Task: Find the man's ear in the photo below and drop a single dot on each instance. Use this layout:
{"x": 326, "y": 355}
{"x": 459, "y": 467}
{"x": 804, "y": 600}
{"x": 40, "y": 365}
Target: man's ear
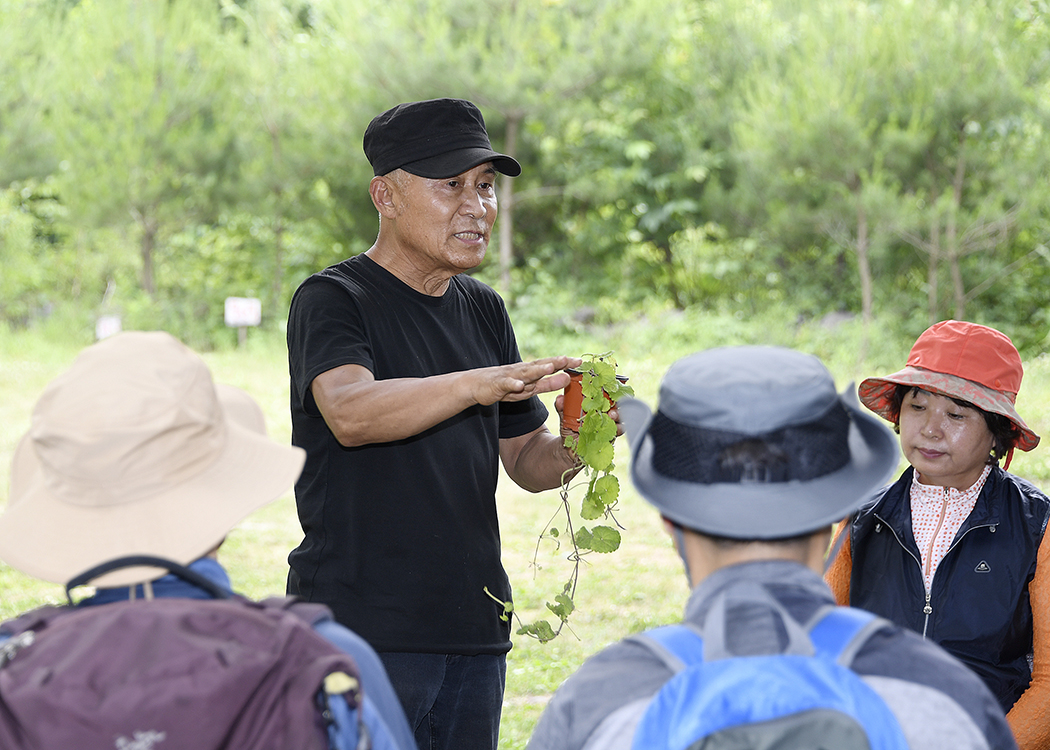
{"x": 669, "y": 528}
{"x": 384, "y": 196}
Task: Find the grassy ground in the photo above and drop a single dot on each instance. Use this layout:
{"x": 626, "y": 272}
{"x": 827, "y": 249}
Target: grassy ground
{"x": 639, "y": 586}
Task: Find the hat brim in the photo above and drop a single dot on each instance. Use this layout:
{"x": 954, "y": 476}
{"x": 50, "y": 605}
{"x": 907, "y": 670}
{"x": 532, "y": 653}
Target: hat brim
{"x": 760, "y": 510}
{"x": 462, "y": 160}
{"x": 55, "y": 540}
{"x": 877, "y": 395}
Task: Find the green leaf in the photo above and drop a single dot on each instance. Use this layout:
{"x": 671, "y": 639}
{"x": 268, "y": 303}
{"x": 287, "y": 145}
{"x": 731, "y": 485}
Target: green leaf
{"x": 598, "y": 456}
{"x": 605, "y": 539}
{"x": 618, "y": 390}
{"x": 541, "y": 629}
{"x": 602, "y": 539}
{"x": 603, "y": 492}
{"x": 563, "y": 608}
{"x": 596, "y": 403}
{"x": 591, "y": 508}
{"x": 597, "y": 427}
{"x": 607, "y": 489}
{"x": 604, "y": 372}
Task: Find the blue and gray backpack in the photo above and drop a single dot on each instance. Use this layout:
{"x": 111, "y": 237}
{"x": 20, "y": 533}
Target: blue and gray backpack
{"x": 805, "y": 697}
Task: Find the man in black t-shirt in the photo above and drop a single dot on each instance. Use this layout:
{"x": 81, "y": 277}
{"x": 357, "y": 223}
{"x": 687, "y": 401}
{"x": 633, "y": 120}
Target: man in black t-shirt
{"x": 407, "y": 390}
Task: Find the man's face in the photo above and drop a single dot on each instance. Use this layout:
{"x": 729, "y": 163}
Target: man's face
{"x": 444, "y": 225}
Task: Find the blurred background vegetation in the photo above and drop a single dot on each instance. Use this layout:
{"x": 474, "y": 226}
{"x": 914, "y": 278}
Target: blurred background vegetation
{"x": 832, "y": 175}
{"x": 802, "y": 160}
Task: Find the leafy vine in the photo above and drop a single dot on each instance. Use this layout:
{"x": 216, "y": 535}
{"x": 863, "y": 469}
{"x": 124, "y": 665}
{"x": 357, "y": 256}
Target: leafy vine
{"x": 593, "y": 446}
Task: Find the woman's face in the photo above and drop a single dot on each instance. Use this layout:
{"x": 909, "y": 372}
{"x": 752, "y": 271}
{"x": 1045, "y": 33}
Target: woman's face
{"x": 947, "y": 444}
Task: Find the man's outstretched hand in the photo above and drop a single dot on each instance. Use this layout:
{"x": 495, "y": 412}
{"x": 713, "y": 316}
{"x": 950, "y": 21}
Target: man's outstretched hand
{"x": 522, "y": 380}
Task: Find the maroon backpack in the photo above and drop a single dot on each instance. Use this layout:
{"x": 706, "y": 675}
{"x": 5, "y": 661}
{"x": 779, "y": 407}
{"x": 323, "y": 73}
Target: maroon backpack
{"x": 171, "y": 674}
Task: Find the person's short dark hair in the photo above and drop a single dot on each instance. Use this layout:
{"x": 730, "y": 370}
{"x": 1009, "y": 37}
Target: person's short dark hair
{"x": 1004, "y": 432}
{"x": 753, "y": 460}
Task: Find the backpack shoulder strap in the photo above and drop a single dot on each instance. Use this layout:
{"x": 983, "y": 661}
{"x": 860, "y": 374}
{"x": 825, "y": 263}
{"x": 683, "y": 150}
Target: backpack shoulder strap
{"x": 837, "y": 632}
{"x": 312, "y": 613}
{"x": 840, "y": 632}
{"x": 132, "y": 561}
{"x": 20, "y": 632}
{"x": 33, "y": 619}
{"x": 677, "y": 646}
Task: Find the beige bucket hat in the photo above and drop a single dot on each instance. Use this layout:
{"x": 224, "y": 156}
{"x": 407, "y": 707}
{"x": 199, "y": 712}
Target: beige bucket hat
{"x": 135, "y": 451}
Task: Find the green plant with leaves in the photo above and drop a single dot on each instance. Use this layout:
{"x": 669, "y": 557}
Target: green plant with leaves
{"x": 593, "y": 447}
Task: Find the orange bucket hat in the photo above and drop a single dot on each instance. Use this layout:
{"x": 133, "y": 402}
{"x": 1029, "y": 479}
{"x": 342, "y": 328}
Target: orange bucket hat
{"x": 960, "y": 360}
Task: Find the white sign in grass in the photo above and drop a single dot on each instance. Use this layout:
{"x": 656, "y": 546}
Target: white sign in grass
{"x": 106, "y": 326}
{"x": 243, "y": 311}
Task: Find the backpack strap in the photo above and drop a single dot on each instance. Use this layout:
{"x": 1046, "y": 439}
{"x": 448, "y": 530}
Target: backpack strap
{"x": 712, "y": 635}
{"x": 677, "y": 645}
{"x": 312, "y": 613}
{"x": 835, "y": 632}
{"x": 840, "y": 632}
{"x": 757, "y": 601}
{"x": 133, "y": 561}
{"x": 32, "y": 620}
{"x": 20, "y": 629}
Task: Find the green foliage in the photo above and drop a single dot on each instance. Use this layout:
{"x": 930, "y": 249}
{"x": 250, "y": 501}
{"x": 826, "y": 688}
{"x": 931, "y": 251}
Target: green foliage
{"x": 601, "y": 494}
{"x": 886, "y": 125}
{"x": 46, "y": 264}
{"x": 24, "y": 278}
{"x": 737, "y": 156}
{"x": 299, "y": 166}
{"x": 26, "y": 146}
{"x": 602, "y": 539}
{"x": 593, "y": 448}
{"x": 593, "y": 445}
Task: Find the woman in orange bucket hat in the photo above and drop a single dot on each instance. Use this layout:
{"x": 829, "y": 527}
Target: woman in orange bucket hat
{"x": 954, "y": 549}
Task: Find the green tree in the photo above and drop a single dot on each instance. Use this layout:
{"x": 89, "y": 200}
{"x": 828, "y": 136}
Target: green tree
{"x": 300, "y": 93}
{"x": 635, "y": 159}
{"x": 521, "y": 61}
{"x": 140, "y": 117}
{"x": 976, "y": 97}
{"x": 25, "y": 144}
{"x": 880, "y": 118}
{"x": 809, "y": 133}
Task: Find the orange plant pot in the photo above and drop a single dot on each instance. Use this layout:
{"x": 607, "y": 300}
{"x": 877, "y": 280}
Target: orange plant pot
{"x": 572, "y": 405}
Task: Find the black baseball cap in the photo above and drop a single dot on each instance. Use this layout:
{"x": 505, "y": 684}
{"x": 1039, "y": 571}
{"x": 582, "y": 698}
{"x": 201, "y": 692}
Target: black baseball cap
{"x": 436, "y": 138}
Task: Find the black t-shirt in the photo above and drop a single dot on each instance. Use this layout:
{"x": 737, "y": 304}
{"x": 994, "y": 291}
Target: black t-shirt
{"x": 401, "y": 538}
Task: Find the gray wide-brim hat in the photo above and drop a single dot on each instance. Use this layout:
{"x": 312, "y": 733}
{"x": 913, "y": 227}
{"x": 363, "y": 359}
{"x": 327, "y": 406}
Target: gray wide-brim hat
{"x": 835, "y": 455}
